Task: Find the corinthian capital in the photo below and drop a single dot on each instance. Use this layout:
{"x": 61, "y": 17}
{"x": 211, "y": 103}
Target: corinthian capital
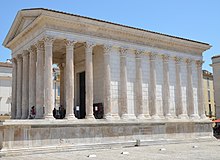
{"x": 188, "y": 61}
{"x": 123, "y": 51}
{"x": 199, "y": 63}
{"x": 48, "y": 41}
{"x": 31, "y": 50}
{"x": 70, "y": 43}
{"x": 39, "y": 45}
{"x": 165, "y": 58}
{"x": 152, "y": 56}
{"x": 107, "y": 49}
{"x": 178, "y": 60}
{"x": 138, "y": 53}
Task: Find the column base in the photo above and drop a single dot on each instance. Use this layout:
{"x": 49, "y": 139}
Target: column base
{"x": 128, "y": 116}
{"x": 71, "y": 117}
{"x": 116, "y": 116}
{"x": 155, "y": 116}
{"x": 111, "y": 117}
{"x": 49, "y": 117}
{"x": 143, "y": 116}
{"x": 24, "y": 117}
{"x": 183, "y": 116}
{"x": 169, "y": 116}
{"x": 203, "y": 116}
{"x": 194, "y": 116}
{"x": 108, "y": 116}
{"x": 90, "y": 117}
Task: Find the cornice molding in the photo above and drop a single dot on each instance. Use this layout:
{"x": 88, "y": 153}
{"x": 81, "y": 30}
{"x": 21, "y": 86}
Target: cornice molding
{"x": 109, "y": 31}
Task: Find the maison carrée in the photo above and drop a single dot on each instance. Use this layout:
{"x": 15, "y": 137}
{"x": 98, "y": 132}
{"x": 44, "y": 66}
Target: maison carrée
{"x": 147, "y": 85}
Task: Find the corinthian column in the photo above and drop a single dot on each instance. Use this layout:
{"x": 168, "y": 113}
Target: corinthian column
{"x": 19, "y": 86}
{"x": 69, "y": 79}
{"x": 107, "y": 83}
{"x": 40, "y": 80}
{"x": 89, "y": 80}
{"x": 62, "y": 80}
{"x": 123, "y": 83}
{"x": 201, "y": 105}
{"x": 139, "y": 92}
{"x": 48, "y": 76}
{"x": 25, "y": 85}
{"x": 190, "y": 95}
{"x": 166, "y": 87}
{"x": 152, "y": 87}
{"x": 14, "y": 85}
{"x": 181, "y": 110}
{"x": 32, "y": 79}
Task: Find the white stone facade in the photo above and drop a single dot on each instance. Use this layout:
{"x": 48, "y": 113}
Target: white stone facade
{"x": 216, "y": 80}
{"x": 135, "y": 74}
{"x": 5, "y": 88}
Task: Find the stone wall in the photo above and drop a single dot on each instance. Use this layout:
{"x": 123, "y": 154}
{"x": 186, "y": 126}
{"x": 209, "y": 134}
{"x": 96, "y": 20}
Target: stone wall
{"x": 23, "y": 137}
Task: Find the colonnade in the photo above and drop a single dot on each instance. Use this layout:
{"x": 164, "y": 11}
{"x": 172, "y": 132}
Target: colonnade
{"x": 32, "y": 83}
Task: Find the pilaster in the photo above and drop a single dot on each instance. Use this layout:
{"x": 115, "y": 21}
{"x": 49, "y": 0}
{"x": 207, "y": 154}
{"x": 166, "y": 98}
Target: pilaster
{"x": 152, "y": 87}
{"x": 190, "y": 95}
{"x": 201, "y": 104}
{"x": 180, "y": 109}
{"x": 166, "y": 87}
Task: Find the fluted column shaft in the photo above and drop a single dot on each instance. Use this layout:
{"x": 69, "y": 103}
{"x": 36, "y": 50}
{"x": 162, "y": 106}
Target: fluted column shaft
{"x": 62, "y": 80}
{"x": 69, "y": 79}
{"x": 166, "y": 87}
{"x": 181, "y": 110}
{"x": 48, "y": 77}
{"x": 25, "y": 86}
{"x": 14, "y": 85}
{"x": 190, "y": 95}
{"x": 107, "y": 83}
{"x": 40, "y": 80}
{"x": 89, "y": 80}
{"x": 152, "y": 88}
{"x": 32, "y": 79}
{"x": 139, "y": 81}
{"x": 19, "y": 86}
{"x": 123, "y": 83}
{"x": 201, "y": 105}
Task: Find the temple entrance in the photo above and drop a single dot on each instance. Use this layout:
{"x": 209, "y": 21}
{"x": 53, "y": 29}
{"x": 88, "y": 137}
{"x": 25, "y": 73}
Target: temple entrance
{"x": 82, "y": 95}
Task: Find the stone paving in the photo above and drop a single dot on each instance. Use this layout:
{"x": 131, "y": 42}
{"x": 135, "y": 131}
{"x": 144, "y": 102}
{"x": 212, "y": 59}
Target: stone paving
{"x": 183, "y": 151}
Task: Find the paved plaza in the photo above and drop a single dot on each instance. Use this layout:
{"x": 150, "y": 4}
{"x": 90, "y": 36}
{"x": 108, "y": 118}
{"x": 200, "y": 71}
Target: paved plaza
{"x": 182, "y": 151}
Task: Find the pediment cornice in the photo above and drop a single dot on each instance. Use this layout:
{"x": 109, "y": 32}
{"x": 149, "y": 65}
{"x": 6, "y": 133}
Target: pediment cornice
{"x": 70, "y": 23}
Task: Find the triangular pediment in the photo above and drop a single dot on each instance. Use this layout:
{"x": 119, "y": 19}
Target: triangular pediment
{"x": 22, "y": 20}
{"x": 25, "y": 22}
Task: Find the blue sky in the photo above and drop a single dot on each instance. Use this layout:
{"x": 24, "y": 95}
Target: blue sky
{"x": 192, "y": 19}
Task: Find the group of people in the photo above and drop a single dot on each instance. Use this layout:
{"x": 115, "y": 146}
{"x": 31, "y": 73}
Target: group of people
{"x": 58, "y": 114}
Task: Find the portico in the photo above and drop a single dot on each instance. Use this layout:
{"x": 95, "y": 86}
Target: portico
{"x": 140, "y": 77}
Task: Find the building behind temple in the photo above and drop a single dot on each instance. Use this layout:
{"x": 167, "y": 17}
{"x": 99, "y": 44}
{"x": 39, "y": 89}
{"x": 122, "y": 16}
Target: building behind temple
{"x": 5, "y": 88}
{"x": 208, "y": 93}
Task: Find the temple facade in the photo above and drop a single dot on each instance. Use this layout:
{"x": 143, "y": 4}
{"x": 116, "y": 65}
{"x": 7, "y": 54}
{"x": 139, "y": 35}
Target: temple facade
{"x": 134, "y": 74}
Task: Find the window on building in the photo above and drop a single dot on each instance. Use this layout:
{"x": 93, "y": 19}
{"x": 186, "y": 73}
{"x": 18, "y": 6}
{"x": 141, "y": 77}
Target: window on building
{"x": 209, "y": 99}
{"x": 208, "y": 83}
{"x": 58, "y": 90}
{"x": 210, "y": 111}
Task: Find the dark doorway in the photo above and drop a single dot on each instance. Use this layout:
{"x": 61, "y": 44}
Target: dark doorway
{"x": 82, "y": 95}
